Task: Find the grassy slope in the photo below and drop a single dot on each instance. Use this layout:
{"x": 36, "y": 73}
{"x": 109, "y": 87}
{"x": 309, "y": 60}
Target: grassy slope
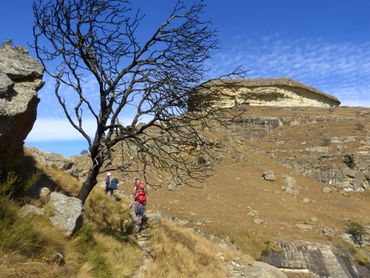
{"x": 227, "y": 200}
{"x": 223, "y": 205}
{"x": 104, "y": 247}
{"x": 27, "y": 244}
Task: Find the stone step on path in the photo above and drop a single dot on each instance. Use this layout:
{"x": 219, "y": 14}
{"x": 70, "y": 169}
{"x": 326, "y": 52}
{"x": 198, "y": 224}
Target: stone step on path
{"x": 143, "y": 241}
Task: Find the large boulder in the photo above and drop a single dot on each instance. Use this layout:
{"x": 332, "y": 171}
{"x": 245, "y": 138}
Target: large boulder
{"x": 20, "y": 79}
{"x": 67, "y": 213}
{"x": 318, "y": 259}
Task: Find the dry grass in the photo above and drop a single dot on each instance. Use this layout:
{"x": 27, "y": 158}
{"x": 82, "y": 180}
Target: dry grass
{"x": 180, "y": 252}
{"x": 253, "y": 243}
{"x": 65, "y": 181}
{"x": 27, "y": 245}
{"x": 124, "y": 258}
{"x": 52, "y": 176}
{"x": 106, "y": 257}
{"x": 108, "y": 215}
{"x": 360, "y": 254}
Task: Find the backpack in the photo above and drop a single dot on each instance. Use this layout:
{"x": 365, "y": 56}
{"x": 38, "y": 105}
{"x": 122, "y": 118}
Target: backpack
{"x": 141, "y": 197}
{"x": 114, "y": 184}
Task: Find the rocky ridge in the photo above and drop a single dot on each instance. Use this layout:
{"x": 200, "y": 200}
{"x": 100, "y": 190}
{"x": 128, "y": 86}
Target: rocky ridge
{"x": 20, "y": 79}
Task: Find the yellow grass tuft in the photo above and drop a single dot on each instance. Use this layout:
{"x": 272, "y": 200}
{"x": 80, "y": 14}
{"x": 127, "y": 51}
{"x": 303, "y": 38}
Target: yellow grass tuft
{"x": 109, "y": 216}
{"x": 65, "y": 181}
{"x": 180, "y": 252}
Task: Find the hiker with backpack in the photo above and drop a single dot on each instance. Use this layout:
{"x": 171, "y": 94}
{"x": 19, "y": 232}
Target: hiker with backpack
{"x": 140, "y": 205}
{"x": 107, "y": 182}
{"x": 113, "y": 185}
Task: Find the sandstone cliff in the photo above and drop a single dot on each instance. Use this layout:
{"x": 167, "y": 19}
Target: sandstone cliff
{"x": 281, "y": 92}
{"x": 20, "y": 79}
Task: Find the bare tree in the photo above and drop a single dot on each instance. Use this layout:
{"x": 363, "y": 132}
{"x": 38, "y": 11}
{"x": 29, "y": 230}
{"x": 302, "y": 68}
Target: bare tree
{"x": 149, "y": 80}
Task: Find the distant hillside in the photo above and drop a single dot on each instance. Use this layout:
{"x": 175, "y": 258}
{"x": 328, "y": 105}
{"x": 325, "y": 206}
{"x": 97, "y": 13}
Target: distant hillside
{"x": 320, "y": 162}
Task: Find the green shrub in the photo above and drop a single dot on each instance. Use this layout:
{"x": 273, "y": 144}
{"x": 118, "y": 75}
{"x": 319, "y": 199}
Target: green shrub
{"x": 349, "y": 160}
{"x": 266, "y": 249}
{"x": 357, "y": 232}
{"x": 13, "y": 185}
{"x": 85, "y": 236}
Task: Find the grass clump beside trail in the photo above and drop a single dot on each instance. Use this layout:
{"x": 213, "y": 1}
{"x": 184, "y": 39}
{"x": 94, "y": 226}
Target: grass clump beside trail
{"x": 180, "y": 252}
{"x": 18, "y": 233}
{"x": 28, "y": 244}
{"x": 108, "y": 215}
{"x": 106, "y": 257}
{"x": 98, "y": 265}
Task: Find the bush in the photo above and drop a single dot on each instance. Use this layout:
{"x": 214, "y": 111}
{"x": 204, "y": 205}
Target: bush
{"x": 13, "y": 185}
{"x": 349, "y": 160}
{"x": 266, "y": 249}
{"x": 357, "y": 232}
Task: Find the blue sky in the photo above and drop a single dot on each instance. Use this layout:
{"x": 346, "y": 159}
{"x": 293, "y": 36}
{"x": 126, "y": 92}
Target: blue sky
{"x": 322, "y": 43}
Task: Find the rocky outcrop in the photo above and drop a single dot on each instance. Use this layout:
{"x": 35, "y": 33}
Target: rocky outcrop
{"x": 53, "y": 160}
{"x": 318, "y": 259}
{"x": 281, "y": 92}
{"x": 20, "y": 79}
{"x": 255, "y": 127}
{"x": 66, "y": 212}
{"x": 58, "y": 161}
{"x": 256, "y": 269}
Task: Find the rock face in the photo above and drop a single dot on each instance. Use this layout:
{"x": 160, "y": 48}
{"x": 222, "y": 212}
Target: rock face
{"x": 282, "y": 92}
{"x": 20, "y": 79}
{"x": 52, "y": 159}
{"x": 260, "y": 269}
{"x": 318, "y": 259}
{"x": 67, "y": 212}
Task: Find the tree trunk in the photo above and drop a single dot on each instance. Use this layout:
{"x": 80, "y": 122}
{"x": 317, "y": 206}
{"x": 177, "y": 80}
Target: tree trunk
{"x": 89, "y": 184}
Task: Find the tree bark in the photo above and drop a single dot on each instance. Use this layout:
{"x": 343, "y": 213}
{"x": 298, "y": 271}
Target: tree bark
{"x": 89, "y": 183}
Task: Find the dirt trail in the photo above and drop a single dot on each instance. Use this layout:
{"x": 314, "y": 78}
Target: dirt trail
{"x": 143, "y": 240}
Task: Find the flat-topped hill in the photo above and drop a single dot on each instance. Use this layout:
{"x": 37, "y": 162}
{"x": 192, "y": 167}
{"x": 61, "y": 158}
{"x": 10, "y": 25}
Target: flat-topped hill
{"x": 280, "y": 92}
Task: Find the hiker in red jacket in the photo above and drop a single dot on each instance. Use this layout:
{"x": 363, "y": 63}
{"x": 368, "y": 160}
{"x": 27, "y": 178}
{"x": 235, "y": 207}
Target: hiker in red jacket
{"x": 140, "y": 205}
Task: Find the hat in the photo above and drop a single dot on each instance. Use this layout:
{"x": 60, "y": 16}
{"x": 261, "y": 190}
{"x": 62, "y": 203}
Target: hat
{"x": 108, "y": 174}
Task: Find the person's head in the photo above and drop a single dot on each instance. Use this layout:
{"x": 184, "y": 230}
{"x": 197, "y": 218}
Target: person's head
{"x": 108, "y": 174}
{"x": 142, "y": 186}
{"x": 137, "y": 181}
